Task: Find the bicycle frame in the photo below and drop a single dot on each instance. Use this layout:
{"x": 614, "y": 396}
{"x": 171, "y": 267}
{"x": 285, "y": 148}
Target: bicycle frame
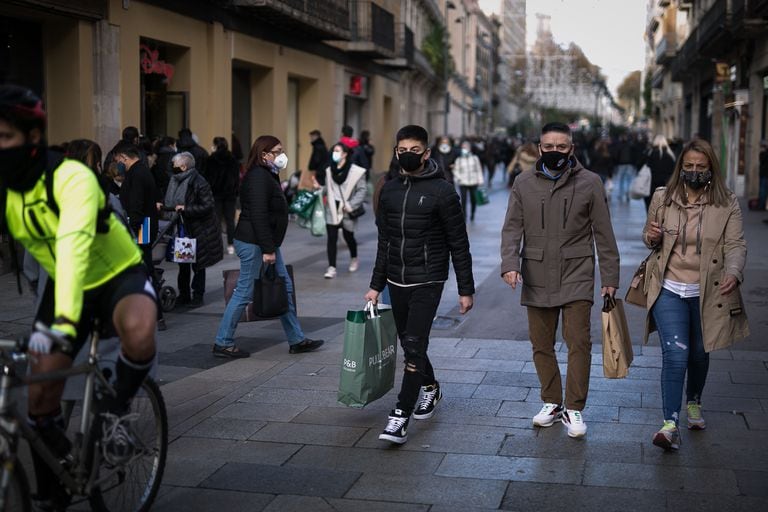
{"x": 13, "y": 425}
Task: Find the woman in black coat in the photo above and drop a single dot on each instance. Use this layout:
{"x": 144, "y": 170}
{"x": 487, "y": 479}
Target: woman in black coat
{"x": 259, "y": 234}
{"x": 661, "y": 160}
{"x": 190, "y": 195}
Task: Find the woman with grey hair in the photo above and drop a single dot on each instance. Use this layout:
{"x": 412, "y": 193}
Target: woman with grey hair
{"x": 189, "y": 194}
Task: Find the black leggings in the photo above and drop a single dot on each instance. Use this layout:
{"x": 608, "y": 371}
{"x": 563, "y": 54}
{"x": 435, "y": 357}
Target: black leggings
{"x": 225, "y": 209}
{"x": 333, "y": 238}
{"x": 468, "y": 190}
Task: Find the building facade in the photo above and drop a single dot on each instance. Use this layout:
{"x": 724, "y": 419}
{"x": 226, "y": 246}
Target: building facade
{"x": 234, "y": 68}
{"x": 710, "y": 79}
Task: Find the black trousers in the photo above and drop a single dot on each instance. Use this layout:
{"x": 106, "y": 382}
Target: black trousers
{"x": 333, "y": 240}
{"x": 414, "y": 308}
{"x": 146, "y": 256}
{"x": 225, "y": 209}
{"x": 198, "y": 281}
{"x": 468, "y": 190}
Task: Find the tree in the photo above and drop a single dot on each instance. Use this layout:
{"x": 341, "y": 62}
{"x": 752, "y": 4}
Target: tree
{"x": 629, "y": 91}
{"x": 436, "y": 47}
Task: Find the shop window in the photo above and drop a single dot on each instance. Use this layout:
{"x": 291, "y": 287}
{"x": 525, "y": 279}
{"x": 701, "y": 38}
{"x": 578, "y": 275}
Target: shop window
{"x": 164, "y": 88}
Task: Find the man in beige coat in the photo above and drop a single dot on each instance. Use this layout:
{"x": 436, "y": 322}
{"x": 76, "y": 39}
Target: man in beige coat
{"x": 555, "y": 218}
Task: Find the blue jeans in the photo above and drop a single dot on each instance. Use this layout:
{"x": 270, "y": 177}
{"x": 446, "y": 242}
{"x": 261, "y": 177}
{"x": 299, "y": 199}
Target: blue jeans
{"x": 622, "y": 180}
{"x": 763, "y": 193}
{"x": 250, "y": 266}
{"x": 679, "y": 323}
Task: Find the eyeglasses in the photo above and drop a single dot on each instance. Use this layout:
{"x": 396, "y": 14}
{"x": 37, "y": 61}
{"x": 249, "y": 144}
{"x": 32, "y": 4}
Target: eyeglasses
{"x": 688, "y": 166}
{"x": 552, "y": 147}
{"x": 415, "y": 149}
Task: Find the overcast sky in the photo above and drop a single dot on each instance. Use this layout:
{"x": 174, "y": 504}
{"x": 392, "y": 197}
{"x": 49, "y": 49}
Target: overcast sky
{"x": 610, "y": 32}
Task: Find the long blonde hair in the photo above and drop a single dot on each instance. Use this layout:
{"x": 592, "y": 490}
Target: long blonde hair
{"x": 660, "y": 143}
{"x": 717, "y": 193}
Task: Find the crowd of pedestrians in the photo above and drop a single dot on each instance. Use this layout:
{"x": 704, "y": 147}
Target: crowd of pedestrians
{"x": 557, "y": 226}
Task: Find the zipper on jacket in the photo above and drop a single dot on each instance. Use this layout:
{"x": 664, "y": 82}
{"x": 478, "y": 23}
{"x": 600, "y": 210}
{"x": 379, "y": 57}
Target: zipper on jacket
{"x": 402, "y": 230}
{"x": 565, "y": 211}
{"x": 426, "y": 264}
{"x": 542, "y": 213}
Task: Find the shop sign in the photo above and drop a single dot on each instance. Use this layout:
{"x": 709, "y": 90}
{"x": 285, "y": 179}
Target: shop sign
{"x": 356, "y": 85}
{"x": 722, "y": 72}
{"x": 150, "y": 63}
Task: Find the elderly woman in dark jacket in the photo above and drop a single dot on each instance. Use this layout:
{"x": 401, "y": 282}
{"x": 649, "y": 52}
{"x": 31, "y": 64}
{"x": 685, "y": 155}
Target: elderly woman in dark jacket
{"x": 190, "y": 195}
{"x": 258, "y": 237}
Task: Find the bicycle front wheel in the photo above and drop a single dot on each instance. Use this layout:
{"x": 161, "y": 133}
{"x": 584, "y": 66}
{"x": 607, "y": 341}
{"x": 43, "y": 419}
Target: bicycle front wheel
{"x": 133, "y": 486}
{"x": 17, "y": 488}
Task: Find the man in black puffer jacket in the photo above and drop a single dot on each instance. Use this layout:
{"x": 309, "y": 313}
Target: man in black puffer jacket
{"x": 421, "y": 226}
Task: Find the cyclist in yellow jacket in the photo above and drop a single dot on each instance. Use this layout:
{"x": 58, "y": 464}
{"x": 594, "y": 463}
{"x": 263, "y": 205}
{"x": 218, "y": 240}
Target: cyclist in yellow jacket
{"x": 56, "y": 209}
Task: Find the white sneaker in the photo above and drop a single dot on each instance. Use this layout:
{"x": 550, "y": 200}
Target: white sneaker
{"x": 330, "y": 273}
{"x": 574, "y": 421}
{"x": 354, "y": 265}
{"x": 230, "y": 249}
{"x": 548, "y": 415}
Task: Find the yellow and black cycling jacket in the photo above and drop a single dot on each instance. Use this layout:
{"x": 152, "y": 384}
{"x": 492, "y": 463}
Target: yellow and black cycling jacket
{"x": 67, "y": 245}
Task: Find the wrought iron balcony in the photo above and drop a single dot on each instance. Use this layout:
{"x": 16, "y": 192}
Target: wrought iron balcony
{"x": 316, "y": 19}
{"x": 372, "y": 30}
{"x": 404, "y": 48}
{"x": 665, "y": 49}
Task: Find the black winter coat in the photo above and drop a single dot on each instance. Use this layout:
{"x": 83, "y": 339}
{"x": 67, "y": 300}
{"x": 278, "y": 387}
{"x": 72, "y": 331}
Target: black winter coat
{"x": 421, "y": 225}
{"x": 662, "y": 164}
{"x": 188, "y": 144}
{"x": 223, "y": 174}
{"x": 264, "y": 215}
{"x": 139, "y": 197}
{"x": 320, "y": 158}
{"x": 163, "y": 168}
{"x": 201, "y": 222}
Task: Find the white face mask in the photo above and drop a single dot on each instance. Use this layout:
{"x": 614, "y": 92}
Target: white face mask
{"x": 281, "y": 161}
{"x": 464, "y": 151}
{"x": 444, "y": 148}
{"x": 336, "y": 156}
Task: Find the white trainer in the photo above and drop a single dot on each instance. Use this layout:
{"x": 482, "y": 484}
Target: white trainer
{"x": 574, "y": 422}
{"x": 548, "y": 415}
{"x": 330, "y": 273}
{"x": 354, "y": 265}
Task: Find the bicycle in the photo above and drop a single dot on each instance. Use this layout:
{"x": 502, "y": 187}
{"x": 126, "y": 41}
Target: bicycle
{"x": 89, "y": 471}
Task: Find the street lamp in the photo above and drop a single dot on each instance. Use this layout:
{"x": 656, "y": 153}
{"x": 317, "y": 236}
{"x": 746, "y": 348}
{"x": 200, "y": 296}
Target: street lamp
{"x": 446, "y": 41}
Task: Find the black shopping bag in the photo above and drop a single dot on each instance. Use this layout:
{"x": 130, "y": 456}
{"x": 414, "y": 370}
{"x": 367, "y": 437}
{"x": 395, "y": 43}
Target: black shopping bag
{"x": 270, "y": 295}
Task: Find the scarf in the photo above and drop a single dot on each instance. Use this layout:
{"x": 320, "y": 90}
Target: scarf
{"x": 340, "y": 175}
{"x": 177, "y": 188}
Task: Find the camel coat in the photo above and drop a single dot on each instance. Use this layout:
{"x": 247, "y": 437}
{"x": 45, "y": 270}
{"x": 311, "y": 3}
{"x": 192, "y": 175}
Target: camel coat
{"x": 723, "y": 251}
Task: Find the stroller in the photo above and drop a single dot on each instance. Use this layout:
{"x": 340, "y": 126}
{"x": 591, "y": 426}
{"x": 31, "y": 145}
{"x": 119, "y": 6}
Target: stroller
{"x": 166, "y": 295}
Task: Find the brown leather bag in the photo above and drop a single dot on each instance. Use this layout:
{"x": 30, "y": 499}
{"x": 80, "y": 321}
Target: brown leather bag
{"x": 636, "y": 293}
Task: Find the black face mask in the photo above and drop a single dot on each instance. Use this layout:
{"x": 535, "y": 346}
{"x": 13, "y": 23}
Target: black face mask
{"x": 555, "y": 160}
{"x": 409, "y": 161}
{"x": 177, "y": 170}
{"x": 22, "y": 166}
{"x": 696, "y": 180}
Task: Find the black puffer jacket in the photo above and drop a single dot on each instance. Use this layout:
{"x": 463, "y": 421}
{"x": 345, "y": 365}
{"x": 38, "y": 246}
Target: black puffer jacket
{"x": 223, "y": 174}
{"x": 264, "y": 216}
{"x": 201, "y": 222}
{"x": 420, "y": 226}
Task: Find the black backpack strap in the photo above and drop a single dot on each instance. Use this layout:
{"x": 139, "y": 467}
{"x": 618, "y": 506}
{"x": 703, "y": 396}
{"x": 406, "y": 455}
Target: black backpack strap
{"x": 54, "y": 161}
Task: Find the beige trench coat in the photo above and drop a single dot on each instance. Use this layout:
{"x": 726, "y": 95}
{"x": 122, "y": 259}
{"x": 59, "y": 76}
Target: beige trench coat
{"x": 723, "y": 251}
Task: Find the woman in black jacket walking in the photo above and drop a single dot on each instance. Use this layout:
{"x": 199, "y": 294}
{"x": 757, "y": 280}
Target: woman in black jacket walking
{"x": 189, "y": 194}
{"x": 661, "y": 160}
{"x": 224, "y": 176}
{"x": 258, "y": 236}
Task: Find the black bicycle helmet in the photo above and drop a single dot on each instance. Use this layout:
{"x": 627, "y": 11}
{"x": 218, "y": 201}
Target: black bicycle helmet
{"x": 21, "y": 107}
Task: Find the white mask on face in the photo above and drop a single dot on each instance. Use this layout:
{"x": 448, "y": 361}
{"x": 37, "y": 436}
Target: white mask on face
{"x": 444, "y": 148}
{"x": 281, "y": 161}
{"x": 336, "y": 156}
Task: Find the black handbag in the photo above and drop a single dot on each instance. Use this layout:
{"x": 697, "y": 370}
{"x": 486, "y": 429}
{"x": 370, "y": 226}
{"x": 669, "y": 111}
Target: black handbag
{"x": 357, "y": 212}
{"x": 270, "y": 295}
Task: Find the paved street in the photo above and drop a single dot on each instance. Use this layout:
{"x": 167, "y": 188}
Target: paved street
{"x": 266, "y": 433}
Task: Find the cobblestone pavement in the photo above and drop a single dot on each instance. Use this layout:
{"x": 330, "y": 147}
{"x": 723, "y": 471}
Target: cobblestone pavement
{"x": 266, "y": 433}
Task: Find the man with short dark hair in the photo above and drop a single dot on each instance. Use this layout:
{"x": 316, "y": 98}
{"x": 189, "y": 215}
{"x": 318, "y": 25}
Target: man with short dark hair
{"x": 421, "y": 227}
{"x": 557, "y": 215}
